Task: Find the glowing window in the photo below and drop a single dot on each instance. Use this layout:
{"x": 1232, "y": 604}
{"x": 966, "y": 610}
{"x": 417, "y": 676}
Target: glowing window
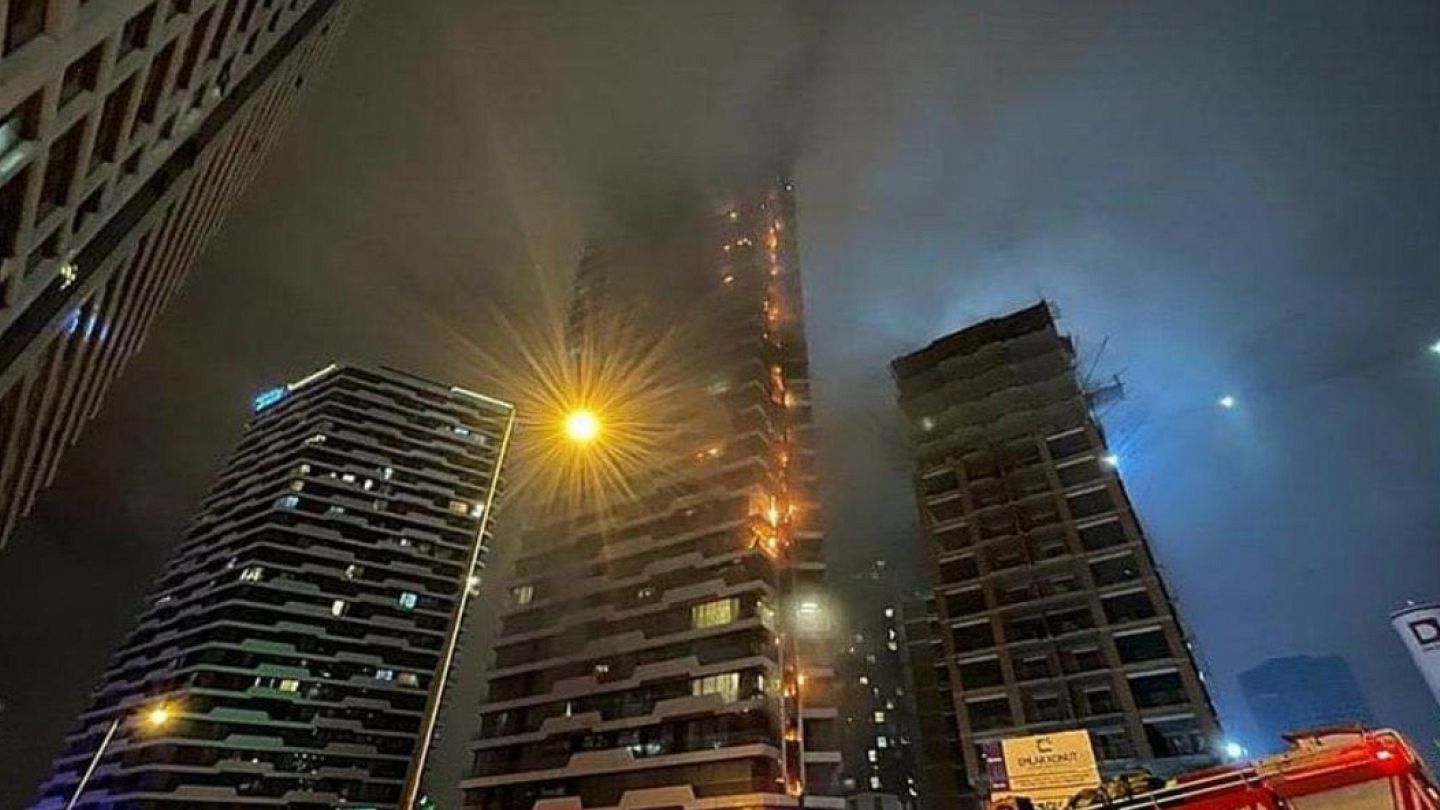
{"x": 338, "y": 607}
{"x": 409, "y": 600}
{"x": 289, "y": 685}
{"x": 254, "y": 573}
{"x": 727, "y": 686}
{"x": 715, "y": 613}
{"x": 523, "y": 594}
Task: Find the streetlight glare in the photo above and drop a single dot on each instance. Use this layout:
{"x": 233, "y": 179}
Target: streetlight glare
{"x": 582, "y": 426}
{"x": 158, "y": 717}
{"x": 1435, "y": 347}
{"x": 1227, "y": 401}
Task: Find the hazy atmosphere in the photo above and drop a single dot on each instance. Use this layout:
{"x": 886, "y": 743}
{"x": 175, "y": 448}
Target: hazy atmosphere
{"x": 1221, "y": 198}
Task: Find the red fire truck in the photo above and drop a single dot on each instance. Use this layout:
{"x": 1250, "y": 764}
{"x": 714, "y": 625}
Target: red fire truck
{"x": 1327, "y": 769}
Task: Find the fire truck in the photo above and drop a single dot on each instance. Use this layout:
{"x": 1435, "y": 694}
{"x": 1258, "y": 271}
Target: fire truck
{"x": 1328, "y": 769}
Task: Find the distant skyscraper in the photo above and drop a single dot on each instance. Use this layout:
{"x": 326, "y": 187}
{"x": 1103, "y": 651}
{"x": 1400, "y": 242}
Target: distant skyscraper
{"x": 1051, "y": 612}
{"x": 300, "y": 632}
{"x": 665, "y": 652}
{"x": 939, "y": 762}
{"x": 1301, "y": 692}
{"x": 127, "y": 127}
{"x": 880, "y": 748}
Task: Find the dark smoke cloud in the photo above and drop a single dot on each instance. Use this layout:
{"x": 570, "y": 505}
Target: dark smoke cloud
{"x": 1239, "y": 196}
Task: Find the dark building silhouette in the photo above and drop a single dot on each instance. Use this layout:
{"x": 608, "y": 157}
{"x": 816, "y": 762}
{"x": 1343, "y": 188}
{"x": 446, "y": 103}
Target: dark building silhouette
{"x": 301, "y": 631}
{"x": 127, "y": 128}
{"x": 1302, "y": 692}
{"x": 1050, "y": 610}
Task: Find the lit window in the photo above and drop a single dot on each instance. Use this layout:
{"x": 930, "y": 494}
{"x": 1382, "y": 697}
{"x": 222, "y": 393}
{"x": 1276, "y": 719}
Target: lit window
{"x": 882, "y": 741}
{"x": 879, "y": 717}
{"x": 409, "y": 600}
{"x": 602, "y": 669}
{"x": 864, "y": 680}
{"x": 872, "y": 755}
{"x": 408, "y": 679}
{"x": 252, "y": 574}
{"x": 715, "y": 613}
{"x": 387, "y": 473}
{"x": 384, "y": 674}
{"x": 460, "y": 430}
{"x": 289, "y": 685}
{"x": 889, "y": 613}
{"x": 874, "y": 783}
{"x": 337, "y": 608}
{"x": 288, "y": 502}
{"x": 523, "y": 594}
{"x": 727, "y": 686}
{"x": 348, "y": 478}
{"x": 335, "y": 510}
{"x": 460, "y": 507}
{"x": 352, "y": 571}
{"x": 318, "y": 438}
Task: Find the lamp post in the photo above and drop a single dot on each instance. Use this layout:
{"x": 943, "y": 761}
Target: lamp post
{"x": 154, "y": 719}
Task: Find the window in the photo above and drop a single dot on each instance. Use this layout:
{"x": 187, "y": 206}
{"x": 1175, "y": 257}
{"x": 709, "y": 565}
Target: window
{"x": 18, "y": 126}
{"x": 727, "y": 686}
{"x": 1103, "y": 535}
{"x": 1077, "y": 473}
{"x": 1094, "y": 502}
{"x": 112, "y": 122}
{"x": 338, "y": 607}
{"x": 1143, "y": 645}
{"x": 12, "y": 206}
{"x": 460, "y": 507}
{"x": 1113, "y": 570}
{"x": 1100, "y": 700}
{"x": 879, "y": 717}
{"x": 715, "y": 613}
{"x": 1128, "y": 607}
{"x": 60, "y": 171}
{"x": 1157, "y": 689}
{"x": 254, "y": 573}
{"x": 976, "y": 636}
{"x": 989, "y": 713}
{"x": 409, "y": 600}
{"x": 136, "y": 31}
{"x": 80, "y": 76}
{"x": 24, "y": 20}
{"x": 1112, "y": 744}
{"x": 289, "y": 685}
{"x": 384, "y": 674}
{"x": 288, "y": 502}
{"x": 408, "y": 679}
{"x": 1178, "y": 737}
{"x": 523, "y": 594}
{"x": 1068, "y": 444}
{"x": 965, "y": 603}
{"x": 186, "y": 77}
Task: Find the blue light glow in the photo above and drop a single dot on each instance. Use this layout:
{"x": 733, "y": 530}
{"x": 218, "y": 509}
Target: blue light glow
{"x": 267, "y": 398}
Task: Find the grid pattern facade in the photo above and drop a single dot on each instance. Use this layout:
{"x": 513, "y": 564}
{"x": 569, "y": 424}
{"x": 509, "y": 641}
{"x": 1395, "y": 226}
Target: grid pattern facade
{"x": 302, "y": 626}
{"x": 875, "y": 697}
{"x": 127, "y": 127}
{"x": 670, "y": 653}
{"x": 1051, "y": 610}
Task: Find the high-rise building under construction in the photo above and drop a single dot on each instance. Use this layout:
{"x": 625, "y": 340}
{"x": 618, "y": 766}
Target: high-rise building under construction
{"x": 670, "y": 651}
{"x": 127, "y": 128}
{"x": 1051, "y": 612}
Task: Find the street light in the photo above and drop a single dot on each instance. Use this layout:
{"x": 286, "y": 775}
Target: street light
{"x": 1435, "y": 347}
{"x": 582, "y": 426}
{"x": 154, "y": 719}
{"x": 1227, "y": 402}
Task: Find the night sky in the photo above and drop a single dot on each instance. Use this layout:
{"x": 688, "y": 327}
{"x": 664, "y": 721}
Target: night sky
{"x": 1231, "y": 197}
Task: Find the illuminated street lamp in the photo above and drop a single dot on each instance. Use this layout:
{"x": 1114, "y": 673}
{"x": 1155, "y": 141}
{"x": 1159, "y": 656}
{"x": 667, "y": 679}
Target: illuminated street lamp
{"x": 1435, "y": 347}
{"x": 154, "y": 719}
{"x": 1110, "y": 460}
{"x": 1227, "y": 402}
{"x": 582, "y": 426}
